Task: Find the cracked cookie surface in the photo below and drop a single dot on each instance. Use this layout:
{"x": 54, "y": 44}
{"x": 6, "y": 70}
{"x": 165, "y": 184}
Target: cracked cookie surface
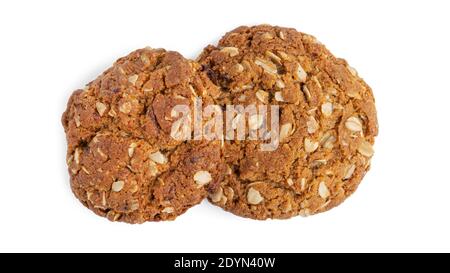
{"x": 123, "y": 159}
{"x": 327, "y": 123}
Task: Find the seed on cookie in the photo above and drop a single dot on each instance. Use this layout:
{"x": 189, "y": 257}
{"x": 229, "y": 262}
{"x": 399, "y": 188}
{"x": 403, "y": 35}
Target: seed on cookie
{"x": 158, "y": 157}
{"x": 267, "y": 36}
{"x": 303, "y": 184}
{"x": 310, "y": 146}
{"x": 312, "y": 125}
{"x": 285, "y": 131}
{"x": 83, "y": 168}
{"x": 279, "y": 96}
{"x": 238, "y": 68}
{"x": 254, "y": 197}
{"x": 202, "y": 178}
{"x": 365, "y": 148}
{"x": 230, "y": 50}
{"x": 134, "y": 204}
{"x": 323, "y": 190}
{"x": 354, "y": 124}
{"x": 133, "y": 78}
{"x": 242, "y": 98}
{"x": 268, "y": 66}
{"x": 262, "y": 96}
{"x": 131, "y": 149}
{"x": 327, "y": 109}
{"x": 76, "y": 156}
{"x": 104, "y": 199}
{"x": 217, "y": 196}
{"x": 113, "y": 216}
{"x": 301, "y": 73}
{"x": 280, "y": 84}
{"x": 77, "y": 120}
{"x": 349, "y": 171}
{"x": 168, "y": 210}
{"x": 125, "y": 107}
{"x": 152, "y": 168}
{"x": 117, "y": 186}
{"x": 273, "y": 57}
{"x": 306, "y": 92}
{"x": 290, "y": 181}
{"x": 229, "y": 192}
{"x": 329, "y": 142}
{"x": 112, "y": 113}
{"x": 101, "y": 108}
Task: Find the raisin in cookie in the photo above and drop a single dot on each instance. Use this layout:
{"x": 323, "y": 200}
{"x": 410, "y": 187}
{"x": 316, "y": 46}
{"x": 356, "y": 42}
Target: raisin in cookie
{"x": 327, "y": 123}
{"x": 125, "y": 160}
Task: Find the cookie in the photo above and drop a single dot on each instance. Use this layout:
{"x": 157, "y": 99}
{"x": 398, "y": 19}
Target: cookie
{"x": 125, "y": 156}
{"x": 327, "y": 123}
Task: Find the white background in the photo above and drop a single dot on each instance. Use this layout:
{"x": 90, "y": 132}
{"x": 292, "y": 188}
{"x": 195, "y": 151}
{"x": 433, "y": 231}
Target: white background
{"x": 401, "y": 48}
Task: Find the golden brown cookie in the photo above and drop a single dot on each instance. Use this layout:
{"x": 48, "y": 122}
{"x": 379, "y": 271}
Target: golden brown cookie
{"x": 124, "y": 160}
{"x": 326, "y": 131}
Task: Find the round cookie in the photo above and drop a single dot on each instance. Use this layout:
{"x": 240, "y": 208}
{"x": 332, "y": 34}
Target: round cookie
{"x": 327, "y": 123}
{"x": 126, "y": 158}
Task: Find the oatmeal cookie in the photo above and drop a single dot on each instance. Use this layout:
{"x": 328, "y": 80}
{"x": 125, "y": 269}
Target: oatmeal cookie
{"x": 327, "y": 123}
{"x": 125, "y": 161}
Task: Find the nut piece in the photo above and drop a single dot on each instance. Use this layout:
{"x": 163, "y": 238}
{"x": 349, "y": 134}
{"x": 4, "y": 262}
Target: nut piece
{"x": 202, "y": 178}
{"x": 255, "y": 122}
{"x": 133, "y": 78}
{"x": 327, "y": 109}
{"x": 349, "y": 171}
{"x": 285, "y": 131}
{"x": 125, "y": 107}
{"x": 101, "y": 108}
{"x": 279, "y": 96}
{"x": 168, "y": 210}
{"x": 323, "y": 190}
{"x": 158, "y": 157}
{"x": 310, "y": 146}
{"x": 365, "y": 148}
{"x": 231, "y": 51}
{"x": 117, "y": 186}
{"x": 301, "y": 74}
{"x": 262, "y": 95}
{"x": 254, "y": 197}
{"x": 354, "y": 124}
{"x": 312, "y": 125}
